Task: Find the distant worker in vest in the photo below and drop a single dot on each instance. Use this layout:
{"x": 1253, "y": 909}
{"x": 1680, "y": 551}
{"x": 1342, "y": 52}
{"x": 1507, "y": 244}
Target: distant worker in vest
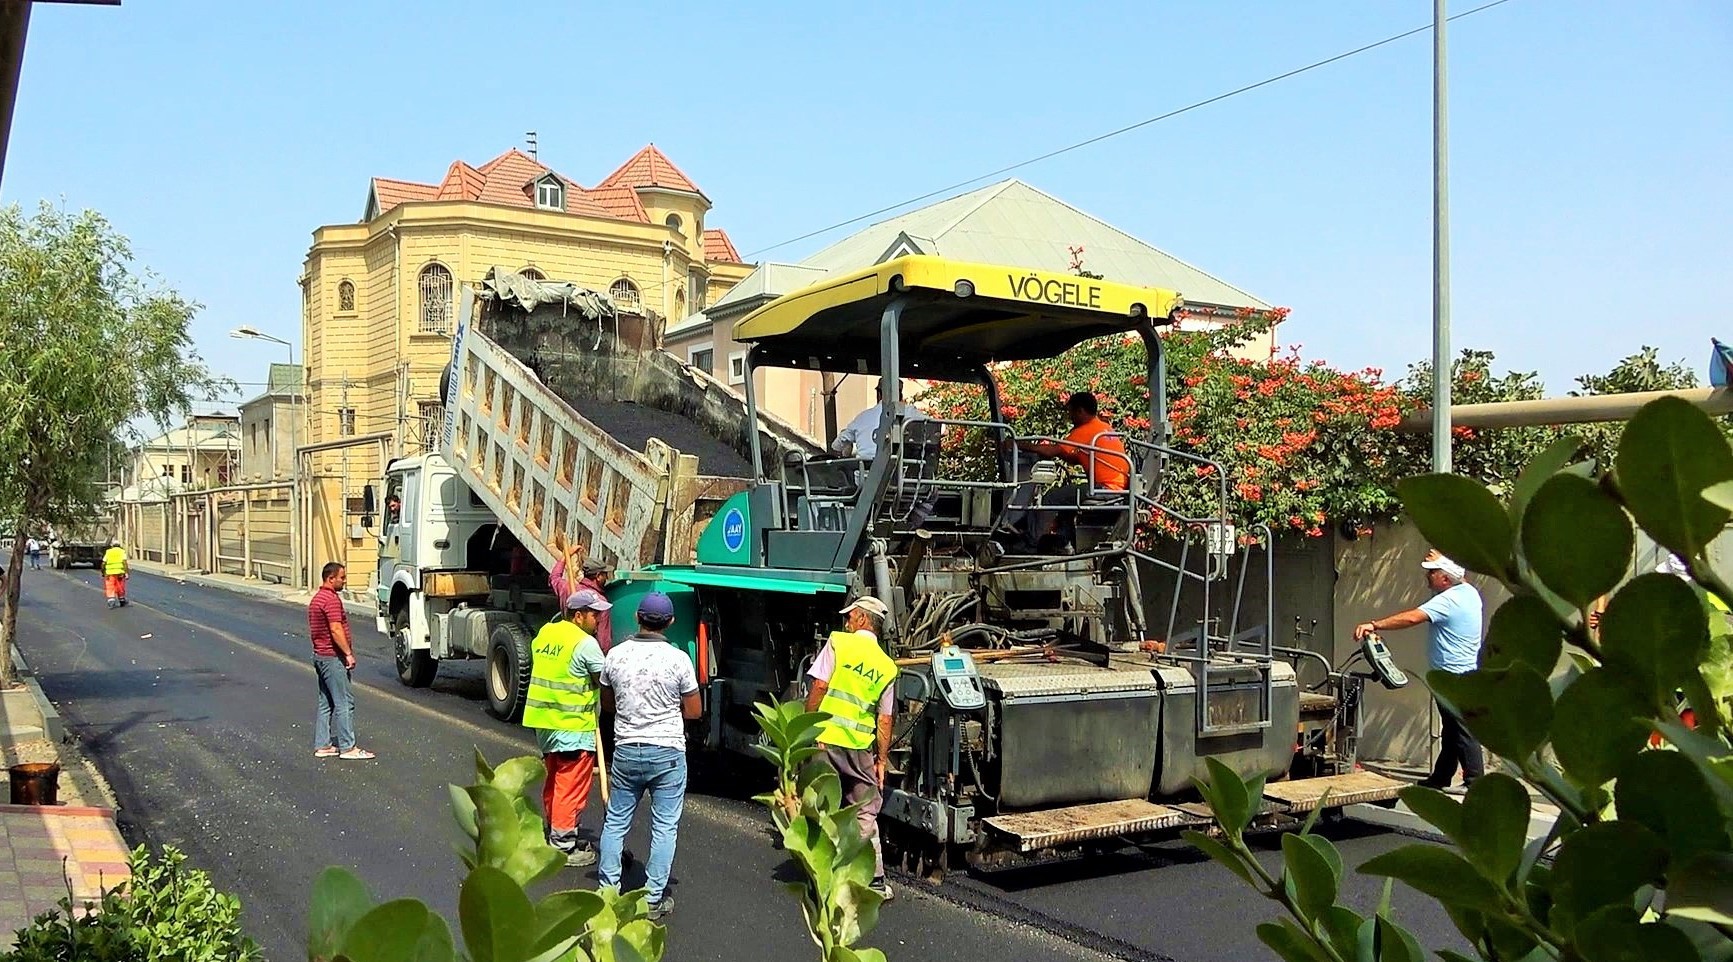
{"x": 1453, "y": 623}
{"x": 1091, "y": 444}
{"x": 853, "y": 681}
{"x": 651, "y": 689}
{"x": 562, "y": 705}
{"x": 114, "y": 572}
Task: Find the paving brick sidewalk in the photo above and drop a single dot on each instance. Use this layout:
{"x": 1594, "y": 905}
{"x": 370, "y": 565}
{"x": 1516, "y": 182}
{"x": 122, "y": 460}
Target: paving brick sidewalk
{"x": 47, "y": 850}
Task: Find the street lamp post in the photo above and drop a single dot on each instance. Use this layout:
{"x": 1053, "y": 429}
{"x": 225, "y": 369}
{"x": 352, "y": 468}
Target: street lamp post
{"x": 1440, "y": 250}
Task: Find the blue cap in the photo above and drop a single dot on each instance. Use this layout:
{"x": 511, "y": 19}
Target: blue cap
{"x": 656, "y": 608}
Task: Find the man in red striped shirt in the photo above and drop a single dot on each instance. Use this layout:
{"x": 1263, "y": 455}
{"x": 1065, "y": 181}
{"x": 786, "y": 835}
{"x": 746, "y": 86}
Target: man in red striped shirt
{"x": 333, "y": 660}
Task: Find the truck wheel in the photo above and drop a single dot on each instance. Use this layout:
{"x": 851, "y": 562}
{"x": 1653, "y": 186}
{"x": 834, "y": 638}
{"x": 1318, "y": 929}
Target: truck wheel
{"x": 508, "y": 670}
{"x": 415, "y": 666}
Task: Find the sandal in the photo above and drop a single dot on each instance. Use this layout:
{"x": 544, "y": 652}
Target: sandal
{"x": 326, "y": 752}
{"x": 356, "y": 755}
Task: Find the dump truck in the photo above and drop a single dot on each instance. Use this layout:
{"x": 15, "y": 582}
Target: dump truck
{"x": 79, "y": 544}
{"x": 466, "y": 530}
{"x": 1050, "y": 700}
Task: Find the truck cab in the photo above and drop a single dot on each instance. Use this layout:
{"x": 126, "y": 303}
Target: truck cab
{"x": 451, "y": 577}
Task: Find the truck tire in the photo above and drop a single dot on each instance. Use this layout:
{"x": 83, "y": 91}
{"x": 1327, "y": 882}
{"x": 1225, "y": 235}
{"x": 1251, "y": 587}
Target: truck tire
{"x": 508, "y": 670}
{"x": 415, "y": 666}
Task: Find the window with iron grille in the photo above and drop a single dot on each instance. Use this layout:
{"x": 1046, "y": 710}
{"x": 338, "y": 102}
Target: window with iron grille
{"x": 432, "y": 416}
{"x": 346, "y": 297}
{"x": 625, "y": 295}
{"x": 435, "y": 299}
{"x": 346, "y": 421}
{"x": 530, "y": 273}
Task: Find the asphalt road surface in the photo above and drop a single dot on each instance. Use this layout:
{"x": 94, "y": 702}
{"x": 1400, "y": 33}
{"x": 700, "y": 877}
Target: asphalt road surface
{"x": 198, "y": 704}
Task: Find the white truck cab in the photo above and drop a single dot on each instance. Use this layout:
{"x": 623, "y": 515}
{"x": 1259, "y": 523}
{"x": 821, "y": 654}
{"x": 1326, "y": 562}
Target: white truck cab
{"x": 453, "y": 582}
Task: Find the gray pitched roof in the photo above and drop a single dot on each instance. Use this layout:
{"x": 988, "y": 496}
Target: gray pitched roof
{"x": 1013, "y": 223}
{"x": 1008, "y": 223}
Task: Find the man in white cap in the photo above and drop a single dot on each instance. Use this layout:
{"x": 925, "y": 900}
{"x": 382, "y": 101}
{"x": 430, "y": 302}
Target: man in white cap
{"x": 1453, "y": 623}
{"x": 853, "y": 681}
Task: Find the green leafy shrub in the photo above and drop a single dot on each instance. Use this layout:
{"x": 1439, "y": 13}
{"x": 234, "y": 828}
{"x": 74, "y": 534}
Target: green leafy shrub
{"x": 498, "y": 920}
{"x": 821, "y": 834}
{"x": 1639, "y": 864}
{"x": 167, "y": 912}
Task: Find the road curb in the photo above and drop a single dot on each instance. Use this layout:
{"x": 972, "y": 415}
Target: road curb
{"x": 53, "y": 726}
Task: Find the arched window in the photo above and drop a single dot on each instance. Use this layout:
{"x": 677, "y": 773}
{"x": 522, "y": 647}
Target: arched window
{"x": 435, "y": 299}
{"x": 345, "y": 297}
{"x": 624, "y": 294}
{"x": 679, "y": 304}
{"x": 532, "y": 274}
{"x": 674, "y": 221}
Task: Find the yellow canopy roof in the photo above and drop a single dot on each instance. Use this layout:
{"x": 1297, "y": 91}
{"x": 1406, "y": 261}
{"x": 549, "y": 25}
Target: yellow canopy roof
{"x": 955, "y": 313}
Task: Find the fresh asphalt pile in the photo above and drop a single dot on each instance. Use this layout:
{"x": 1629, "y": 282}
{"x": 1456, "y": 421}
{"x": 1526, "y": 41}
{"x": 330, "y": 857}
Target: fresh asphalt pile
{"x": 634, "y": 424}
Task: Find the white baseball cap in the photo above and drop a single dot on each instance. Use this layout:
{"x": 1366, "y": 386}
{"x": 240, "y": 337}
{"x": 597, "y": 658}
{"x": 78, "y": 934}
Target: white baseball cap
{"x": 1438, "y": 562}
{"x": 868, "y": 604}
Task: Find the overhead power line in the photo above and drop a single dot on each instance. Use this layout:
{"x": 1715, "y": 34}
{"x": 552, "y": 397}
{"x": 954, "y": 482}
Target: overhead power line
{"x": 1127, "y": 128}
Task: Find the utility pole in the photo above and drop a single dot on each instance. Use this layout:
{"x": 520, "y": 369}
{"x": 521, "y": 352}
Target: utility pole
{"x": 1440, "y": 249}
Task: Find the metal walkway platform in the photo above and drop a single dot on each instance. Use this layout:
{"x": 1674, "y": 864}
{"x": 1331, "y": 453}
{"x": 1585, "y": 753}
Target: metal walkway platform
{"x": 1050, "y": 828}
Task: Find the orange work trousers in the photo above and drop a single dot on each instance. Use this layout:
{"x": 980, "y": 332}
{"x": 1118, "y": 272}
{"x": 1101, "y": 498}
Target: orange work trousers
{"x": 114, "y": 586}
{"x": 565, "y": 793}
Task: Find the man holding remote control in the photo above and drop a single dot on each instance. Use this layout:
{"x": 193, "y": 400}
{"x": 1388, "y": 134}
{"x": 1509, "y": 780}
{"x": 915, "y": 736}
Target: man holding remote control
{"x": 1453, "y": 623}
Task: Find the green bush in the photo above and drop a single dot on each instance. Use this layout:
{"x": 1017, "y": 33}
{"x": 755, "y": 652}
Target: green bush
{"x": 1639, "y": 865}
{"x": 166, "y": 913}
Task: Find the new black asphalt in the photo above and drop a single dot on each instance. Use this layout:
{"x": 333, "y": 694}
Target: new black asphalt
{"x": 197, "y": 703}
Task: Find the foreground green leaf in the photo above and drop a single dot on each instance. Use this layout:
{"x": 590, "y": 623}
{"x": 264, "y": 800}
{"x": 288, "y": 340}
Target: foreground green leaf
{"x": 1437, "y": 872}
{"x": 1459, "y": 517}
{"x": 1669, "y": 454}
{"x": 1509, "y": 709}
{"x": 1523, "y": 631}
{"x": 1576, "y": 539}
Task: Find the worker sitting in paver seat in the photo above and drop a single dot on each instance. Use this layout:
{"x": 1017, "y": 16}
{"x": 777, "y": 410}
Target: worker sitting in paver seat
{"x": 1093, "y": 446}
{"x": 919, "y": 439}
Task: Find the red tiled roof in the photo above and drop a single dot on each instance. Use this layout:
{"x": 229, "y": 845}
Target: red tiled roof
{"x": 650, "y": 168}
{"x": 621, "y": 202}
{"x": 462, "y": 182}
{"x": 389, "y": 193}
{"x": 510, "y": 179}
{"x": 718, "y": 248}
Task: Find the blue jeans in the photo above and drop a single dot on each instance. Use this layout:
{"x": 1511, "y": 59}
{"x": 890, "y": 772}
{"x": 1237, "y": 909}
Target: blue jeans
{"x": 336, "y": 713}
{"x": 634, "y": 770}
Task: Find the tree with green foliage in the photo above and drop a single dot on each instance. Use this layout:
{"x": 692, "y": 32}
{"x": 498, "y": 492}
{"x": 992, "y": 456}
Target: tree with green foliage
{"x": 1639, "y": 863}
{"x": 87, "y": 346}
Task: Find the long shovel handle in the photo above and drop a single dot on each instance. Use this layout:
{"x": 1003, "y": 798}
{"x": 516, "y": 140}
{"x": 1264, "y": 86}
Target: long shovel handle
{"x": 601, "y": 756}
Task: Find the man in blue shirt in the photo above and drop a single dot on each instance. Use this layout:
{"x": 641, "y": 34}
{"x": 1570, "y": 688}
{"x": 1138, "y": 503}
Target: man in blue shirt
{"x": 1453, "y": 622}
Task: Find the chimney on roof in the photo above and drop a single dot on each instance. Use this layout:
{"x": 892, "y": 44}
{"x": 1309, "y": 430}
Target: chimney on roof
{"x": 530, "y": 136}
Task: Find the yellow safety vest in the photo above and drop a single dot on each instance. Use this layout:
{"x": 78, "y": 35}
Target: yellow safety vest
{"x": 114, "y": 561}
{"x": 557, "y": 699}
{"x": 851, "y": 697}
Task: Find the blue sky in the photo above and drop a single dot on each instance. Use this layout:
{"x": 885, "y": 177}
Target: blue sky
{"x": 1590, "y": 142}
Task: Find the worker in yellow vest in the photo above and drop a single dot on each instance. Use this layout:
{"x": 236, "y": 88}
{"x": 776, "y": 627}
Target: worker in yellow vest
{"x": 561, "y": 705}
{"x": 853, "y": 682}
{"x": 114, "y": 572}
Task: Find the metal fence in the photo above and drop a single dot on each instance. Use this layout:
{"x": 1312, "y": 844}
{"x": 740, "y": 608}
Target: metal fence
{"x": 246, "y": 530}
